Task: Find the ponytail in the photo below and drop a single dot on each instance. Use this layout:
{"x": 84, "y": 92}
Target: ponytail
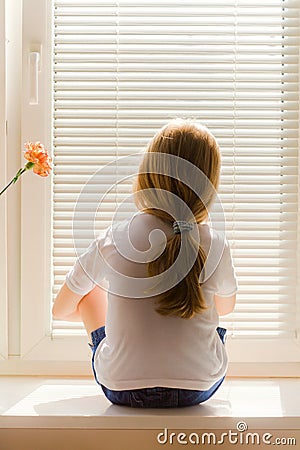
{"x": 185, "y": 299}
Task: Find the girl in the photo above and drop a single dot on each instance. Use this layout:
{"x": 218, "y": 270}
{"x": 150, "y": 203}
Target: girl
{"x": 155, "y": 336}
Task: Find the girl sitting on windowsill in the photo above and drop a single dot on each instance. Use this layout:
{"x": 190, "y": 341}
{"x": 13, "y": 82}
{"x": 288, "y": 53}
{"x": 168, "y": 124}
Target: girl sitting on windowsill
{"x": 155, "y": 330}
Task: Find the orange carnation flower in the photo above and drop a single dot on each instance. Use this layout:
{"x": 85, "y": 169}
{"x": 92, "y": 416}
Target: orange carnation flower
{"x": 38, "y": 155}
{"x": 38, "y": 160}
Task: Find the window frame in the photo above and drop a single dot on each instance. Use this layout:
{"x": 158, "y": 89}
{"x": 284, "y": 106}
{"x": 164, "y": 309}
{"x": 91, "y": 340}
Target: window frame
{"x": 36, "y": 125}
{"x": 40, "y": 352}
{"x": 3, "y": 209}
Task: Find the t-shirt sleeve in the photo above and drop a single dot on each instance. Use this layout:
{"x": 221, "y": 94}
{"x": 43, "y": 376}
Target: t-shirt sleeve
{"x": 88, "y": 270}
{"x": 226, "y": 278}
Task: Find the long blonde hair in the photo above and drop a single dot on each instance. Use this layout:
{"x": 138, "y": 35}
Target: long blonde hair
{"x": 192, "y": 142}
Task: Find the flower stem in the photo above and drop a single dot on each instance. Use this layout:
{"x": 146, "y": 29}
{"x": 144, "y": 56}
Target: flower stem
{"x": 28, "y": 166}
{"x": 6, "y": 187}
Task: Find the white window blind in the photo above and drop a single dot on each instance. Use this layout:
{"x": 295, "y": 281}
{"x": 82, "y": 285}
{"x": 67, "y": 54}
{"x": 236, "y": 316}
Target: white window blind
{"x": 123, "y": 69}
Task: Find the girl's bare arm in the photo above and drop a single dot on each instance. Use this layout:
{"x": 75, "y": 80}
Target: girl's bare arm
{"x": 65, "y": 304}
{"x": 225, "y": 305}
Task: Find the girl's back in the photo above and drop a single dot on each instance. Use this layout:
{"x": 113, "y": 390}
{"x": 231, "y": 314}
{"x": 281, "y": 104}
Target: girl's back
{"x": 144, "y": 348}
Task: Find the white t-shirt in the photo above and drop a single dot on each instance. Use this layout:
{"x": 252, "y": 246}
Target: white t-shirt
{"x": 142, "y": 348}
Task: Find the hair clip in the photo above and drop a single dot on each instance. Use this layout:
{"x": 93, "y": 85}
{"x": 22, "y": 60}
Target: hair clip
{"x": 180, "y": 226}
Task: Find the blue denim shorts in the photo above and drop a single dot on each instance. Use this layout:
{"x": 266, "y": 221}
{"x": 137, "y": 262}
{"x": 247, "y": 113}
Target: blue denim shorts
{"x": 154, "y": 397}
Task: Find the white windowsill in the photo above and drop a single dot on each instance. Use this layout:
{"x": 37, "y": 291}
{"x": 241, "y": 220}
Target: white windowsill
{"x": 39, "y": 402}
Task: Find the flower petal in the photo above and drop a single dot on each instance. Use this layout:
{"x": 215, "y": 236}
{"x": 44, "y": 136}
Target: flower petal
{"x": 38, "y": 155}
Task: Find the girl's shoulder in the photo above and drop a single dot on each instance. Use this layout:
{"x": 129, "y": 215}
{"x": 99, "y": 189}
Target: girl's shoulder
{"x": 215, "y": 245}
{"x": 146, "y": 233}
{"x": 211, "y": 237}
{"x": 139, "y": 226}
